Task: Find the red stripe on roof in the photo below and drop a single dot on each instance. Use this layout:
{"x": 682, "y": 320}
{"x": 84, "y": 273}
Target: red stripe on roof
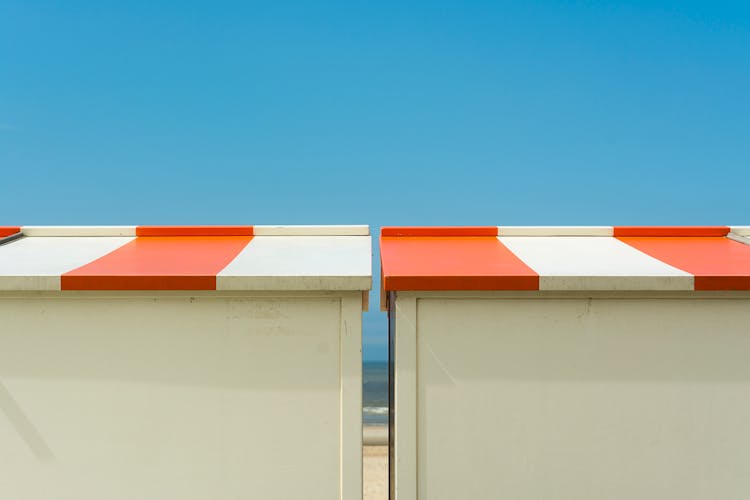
{"x": 671, "y": 230}
{"x": 194, "y": 230}
{"x": 159, "y": 263}
{"x": 440, "y": 231}
{"x": 444, "y": 263}
{"x": 716, "y": 263}
{"x": 9, "y": 230}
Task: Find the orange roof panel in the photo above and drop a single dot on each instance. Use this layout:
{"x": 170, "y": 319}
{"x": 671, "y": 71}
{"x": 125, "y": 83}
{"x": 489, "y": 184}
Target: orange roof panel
{"x": 450, "y": 263}
{"x": 159, "y": 263}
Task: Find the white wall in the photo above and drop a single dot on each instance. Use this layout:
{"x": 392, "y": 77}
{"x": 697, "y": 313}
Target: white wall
{"x": 179, "y": 397}
{"x": 548, "y": 398}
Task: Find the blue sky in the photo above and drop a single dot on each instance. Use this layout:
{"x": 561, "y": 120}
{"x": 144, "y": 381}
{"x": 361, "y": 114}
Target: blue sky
{"x": 383, "y": 113}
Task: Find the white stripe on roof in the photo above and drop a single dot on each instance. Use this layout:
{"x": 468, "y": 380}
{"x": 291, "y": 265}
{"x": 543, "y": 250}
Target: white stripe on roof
{"x": 741, "y": 230}
{"x": 311, "y": 230}
{"x": 38, "y": 263}
{"x": 738, "y": 238}
{"x": 575, "y": 263}
{"x": 300, "y": 263}
{"x": 555, "y": 230}
{"x": 78, "y": 230}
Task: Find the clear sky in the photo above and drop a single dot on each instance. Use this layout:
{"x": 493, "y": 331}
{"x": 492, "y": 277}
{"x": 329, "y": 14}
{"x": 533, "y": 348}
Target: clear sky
{"x": 380, "y": 113}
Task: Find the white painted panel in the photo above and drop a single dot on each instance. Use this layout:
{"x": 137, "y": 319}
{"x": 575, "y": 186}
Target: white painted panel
{"x": 555, "y": 230}
{"x": 36, "y": 263}
{"x": 576, "y": 263}
{"x": 78, "y": 230}
{"x": 741, "y": 230}
{"x": 311, "y": 230}
{"x": 351, "y": 397}
{"x": 300, "y": 263}
{"x": 174, "y": 398}
{"x": 582, "y": 399}
{"x": 403, "y": 455}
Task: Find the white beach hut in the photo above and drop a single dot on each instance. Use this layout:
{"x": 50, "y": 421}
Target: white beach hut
{"x": 569, "y": 363}
{"x": 159, "y": 363}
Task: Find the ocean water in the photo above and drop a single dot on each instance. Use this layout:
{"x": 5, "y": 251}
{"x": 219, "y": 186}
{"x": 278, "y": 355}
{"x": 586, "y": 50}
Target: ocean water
{"x": 375, "y": 392}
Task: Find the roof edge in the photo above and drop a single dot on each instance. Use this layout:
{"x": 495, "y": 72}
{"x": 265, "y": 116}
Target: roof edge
{"x": 9, "y": 230}
{"x": 194, "y": 231}
{"x": 78, "y": 230}
{"x": 555, "y": 231}
{"x": 296, "y": 230}
{"x": 439, "y": 231}
{"x": 671, "y": 230}
{"x": 655, "y": 231}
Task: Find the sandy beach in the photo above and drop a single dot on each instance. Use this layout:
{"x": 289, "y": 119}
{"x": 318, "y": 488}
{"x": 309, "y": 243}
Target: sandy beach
{"x": 375, "y": 472}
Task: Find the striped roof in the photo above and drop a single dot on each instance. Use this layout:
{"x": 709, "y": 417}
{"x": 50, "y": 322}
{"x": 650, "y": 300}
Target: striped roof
{"x": 185, "y": 258}
{"x": 565, "y": 258}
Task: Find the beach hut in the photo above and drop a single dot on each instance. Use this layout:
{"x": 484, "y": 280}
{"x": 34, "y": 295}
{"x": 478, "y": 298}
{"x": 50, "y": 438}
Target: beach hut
{"x": 568, "y": 362}
{"x": 159, "y": 363}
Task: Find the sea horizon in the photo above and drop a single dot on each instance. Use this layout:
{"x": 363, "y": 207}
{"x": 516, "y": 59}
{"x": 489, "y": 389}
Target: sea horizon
{"x": 375, "y": 392}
